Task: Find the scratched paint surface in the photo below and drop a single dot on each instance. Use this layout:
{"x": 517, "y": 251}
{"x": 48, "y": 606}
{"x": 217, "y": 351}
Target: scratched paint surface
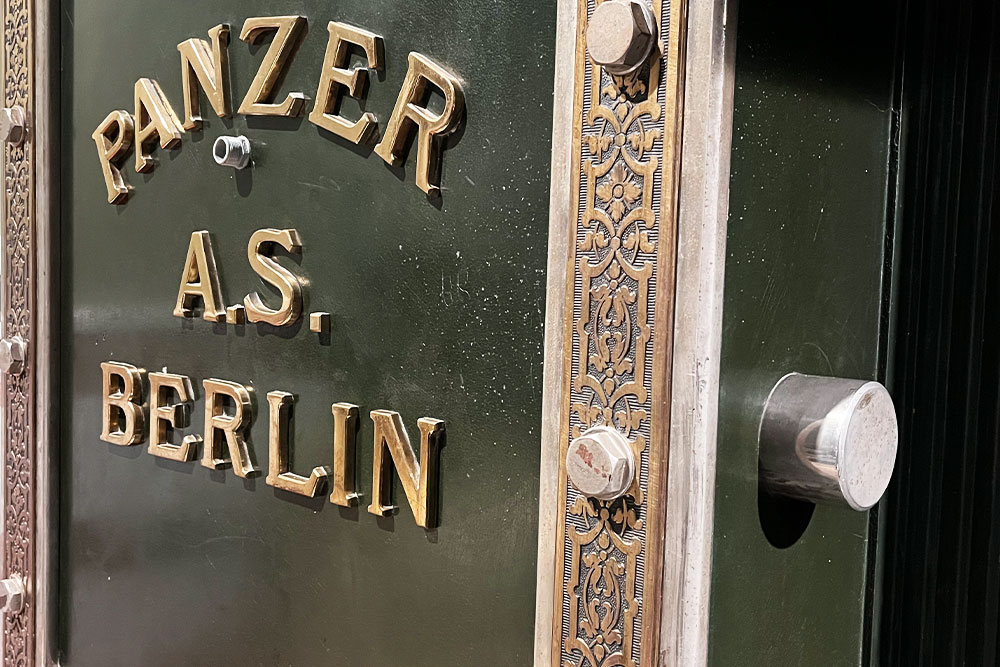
{"x": 437, "y": 311}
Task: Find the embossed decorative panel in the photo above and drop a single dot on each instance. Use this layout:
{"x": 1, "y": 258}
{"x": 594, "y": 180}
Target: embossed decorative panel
{"x": 609, "y": 554}
{"x": 18, "y": 320}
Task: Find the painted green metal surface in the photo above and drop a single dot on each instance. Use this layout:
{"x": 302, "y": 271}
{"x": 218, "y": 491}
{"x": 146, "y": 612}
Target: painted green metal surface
{"x": 803, "y": 292}
{"x": 437, "y": 311}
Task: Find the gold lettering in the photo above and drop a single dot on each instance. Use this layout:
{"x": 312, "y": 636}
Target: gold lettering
{"x": 271, "y": 272}
{"x": 431, "y": 127}
{"x": 288, "y": 34}
{"x": 224, "y": 431}
{"x": 335, "y": 76}
{"x": 200, "y": 280}
{"x": 278, "y": 475}
{"x": 165, "y": 416}
{"x": 154, "y": 117}
{"x": 345, "y": 417}
{"x": 113, "y": 138}
{"x": 206, "y": 67}
{"x": 419, "y": 479}
{"x": 122, "y": 419}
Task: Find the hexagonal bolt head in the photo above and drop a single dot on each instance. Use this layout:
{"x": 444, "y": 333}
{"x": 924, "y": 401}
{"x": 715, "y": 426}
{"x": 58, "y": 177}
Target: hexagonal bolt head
{"x": 13, "y": 125}
{"x": 232, "y": 151}
{"x": 600, "y": 463}
{"x": 13, "y": 354}
{"x": 11, "y": 595}
{"x": 621, "y": 35}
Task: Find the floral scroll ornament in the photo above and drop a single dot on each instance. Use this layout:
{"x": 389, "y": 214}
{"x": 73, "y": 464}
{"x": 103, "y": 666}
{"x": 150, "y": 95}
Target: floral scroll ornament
{"x": 615, "y": 258}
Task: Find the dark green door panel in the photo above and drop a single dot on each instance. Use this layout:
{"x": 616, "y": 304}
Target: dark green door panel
{"x": 437, "y": 309}
{"x": 803, "y": 292}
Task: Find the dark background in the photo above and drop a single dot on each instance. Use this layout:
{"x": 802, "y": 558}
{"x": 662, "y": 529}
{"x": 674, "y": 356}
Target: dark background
{"x": 437, "y": 310}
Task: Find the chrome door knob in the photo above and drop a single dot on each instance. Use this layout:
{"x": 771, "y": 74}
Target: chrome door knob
{"x": 825, "y": 438}
{"x": 13, "y": 124}
{"x": 11, "y": 595}
{"x": 13, "y": 354}
{"x": 600, "y": 463}
{"x": 620, "y": 35}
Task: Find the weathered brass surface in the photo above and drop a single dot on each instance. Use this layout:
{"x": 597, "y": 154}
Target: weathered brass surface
{"x": 345, "y": 424}
{"x": 21, "y": 424}
{"x": 154, "y": 118}
{"x": 418, "y": 479}
{"x": 319, "y": 322}
{"x": 205, "y": 67}
{"x": 278, "y": 474}
{"x": 114, "y": 138}
{"x": 288, "y": 33}
{"x": 431, "y": 127}
{"x": 609, "y": 553}
{"x": 227, "y": 432}
{"x": 335, "y": 77}
{"x": 259, "y": 253}
{"x": 166, "y": 415}
{"x": 122, "y": 417}
{"x": 200, "y": 280}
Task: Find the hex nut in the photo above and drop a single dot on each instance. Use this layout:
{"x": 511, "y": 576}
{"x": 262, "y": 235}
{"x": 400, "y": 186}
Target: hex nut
{"x": 232, "y": 151}
{"x": 11, "y": 595}
{"x": 13, "y": 354}
{"x": 600, "y": 463}
{"x": 13, "y": 124}
{"x": 621, "y": 35}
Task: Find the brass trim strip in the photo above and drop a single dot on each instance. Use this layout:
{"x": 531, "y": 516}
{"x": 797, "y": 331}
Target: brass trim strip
{"x": 19, "y": 319}
{"x": 616, "y": 364}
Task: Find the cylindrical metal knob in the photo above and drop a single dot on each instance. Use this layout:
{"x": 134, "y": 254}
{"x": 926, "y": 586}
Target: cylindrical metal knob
{"x": 600, "y": 463}
{"x": 11, "y": 595}
{"x": 825, "y": 438}
{"x": 620, "y": 35}
{"x": 13, "y": 354}
{"x": 13, "y": 124}
{"x": 232, "y": 151}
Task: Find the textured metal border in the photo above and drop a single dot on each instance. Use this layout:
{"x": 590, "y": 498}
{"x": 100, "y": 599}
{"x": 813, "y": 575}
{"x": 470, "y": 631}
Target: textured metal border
{"x": 616, "y": 366}
{"x": 19, "y": 319}
{"x": 682, "y": 604}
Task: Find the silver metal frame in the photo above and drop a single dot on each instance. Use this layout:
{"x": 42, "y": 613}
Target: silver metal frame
{"x": 46, "y": 135}
{"x": 703, "y": 215}
{"x": 701, "y": 253}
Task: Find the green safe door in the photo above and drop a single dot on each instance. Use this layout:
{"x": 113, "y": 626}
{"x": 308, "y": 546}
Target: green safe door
{"x": 435, "y": 307}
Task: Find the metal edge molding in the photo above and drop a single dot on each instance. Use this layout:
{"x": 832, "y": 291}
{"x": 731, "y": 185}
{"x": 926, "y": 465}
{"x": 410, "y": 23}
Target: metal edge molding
{"x": 555, "y": 328}
{"x": 19, "y": 489}
{"x": 616, "y": 314}
{"x": 701, "y": 254}
{"x": 46, "y": 369}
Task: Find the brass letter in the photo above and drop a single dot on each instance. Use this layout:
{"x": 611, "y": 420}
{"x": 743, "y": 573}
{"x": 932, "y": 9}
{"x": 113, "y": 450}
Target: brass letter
{"x": 122, "y": 419}
{"x": 113, "y": 138}
{"x": 222, "y": 430}
{"x": 164, "y": 415}
{"x": 270, "y": 271}
{"x": 345, "y": 417}
{"x": 278, "y": 474}
{"x": 430, "y": 127}
{"x": 290, "y": 31}
{"x": 206, "y": 67}
{"x": 154, "y": 117}
{"x": 199, "y": 279}
{"x": 335, "y": 77}
{"x": 419, "y": 479}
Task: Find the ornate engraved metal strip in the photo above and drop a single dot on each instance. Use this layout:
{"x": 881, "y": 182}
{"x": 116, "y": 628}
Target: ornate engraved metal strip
{"x": 609, "y": 554}
{"x": 19, "y": 311}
